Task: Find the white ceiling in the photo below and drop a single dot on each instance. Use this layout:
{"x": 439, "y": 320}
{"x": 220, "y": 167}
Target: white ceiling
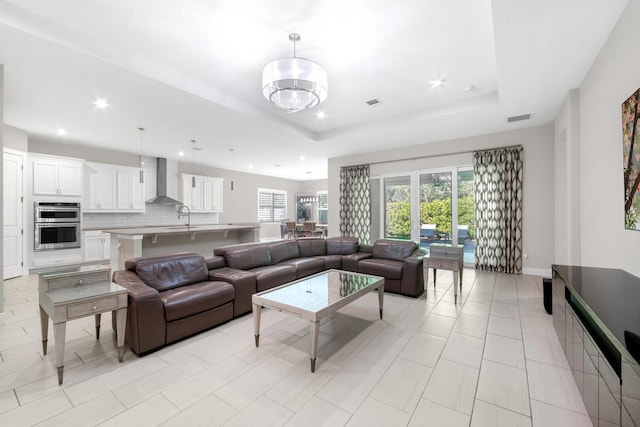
{"x": 188, "y": 70}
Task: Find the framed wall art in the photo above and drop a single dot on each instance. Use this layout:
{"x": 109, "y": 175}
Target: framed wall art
{"x": 631, "y": 161}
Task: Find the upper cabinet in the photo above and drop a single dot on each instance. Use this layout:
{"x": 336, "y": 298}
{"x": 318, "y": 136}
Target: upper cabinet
{"x": 130, "y": 190}
{"x": 56, "y": 176}
{"x": 100, "y": 191}
{"x": 201, "y": 193}
{"x": 113, "y": 188}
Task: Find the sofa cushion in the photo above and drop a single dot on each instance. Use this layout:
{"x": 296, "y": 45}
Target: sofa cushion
{"x": 274, "y": 275}
{"x": 387, "y": 268}
{"x": 246, "y": 257}
{"x": 312, "y": 246}
{"x": 168, "y": 272}
{"x": 342, "y": 245}
{"x": 306, "y": 266}
{"x": 283, "y": 250}
{"x": 393, "y": 249}
{"x": 215, "y": 262}
{"x": 188, "y": 300}
{"x": 332, "y": 261}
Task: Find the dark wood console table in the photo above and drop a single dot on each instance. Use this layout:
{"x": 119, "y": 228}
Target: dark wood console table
{"x": 596, "y": 315}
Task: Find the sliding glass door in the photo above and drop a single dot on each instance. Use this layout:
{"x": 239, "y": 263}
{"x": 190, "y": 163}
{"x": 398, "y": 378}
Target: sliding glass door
{"x": 430, "y": 206}
{"x": 397, "y": 207}
{"x": 466, "y": 214}
{"x": 435, "y": 207}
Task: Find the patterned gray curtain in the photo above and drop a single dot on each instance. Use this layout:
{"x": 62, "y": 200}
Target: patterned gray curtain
{"x": 355, "y": 203}
{"x": 498, "y": 209}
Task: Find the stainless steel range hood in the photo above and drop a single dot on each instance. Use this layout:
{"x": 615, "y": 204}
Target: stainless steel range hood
{"x": 161, "y": 186}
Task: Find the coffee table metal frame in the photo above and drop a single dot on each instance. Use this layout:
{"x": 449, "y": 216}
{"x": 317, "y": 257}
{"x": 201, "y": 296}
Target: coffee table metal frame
{"x": 262, "y": 299}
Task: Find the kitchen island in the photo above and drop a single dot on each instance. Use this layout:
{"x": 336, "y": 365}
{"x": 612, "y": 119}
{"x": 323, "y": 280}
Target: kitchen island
{"x": 129, "y": 243}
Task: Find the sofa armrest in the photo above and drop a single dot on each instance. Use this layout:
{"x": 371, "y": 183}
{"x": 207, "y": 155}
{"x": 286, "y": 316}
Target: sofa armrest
{"x": 350, "y": 262}
{"x": 244, "y": 283}
{"x": 412, "y": 283}
{"x": 146, "y": 324}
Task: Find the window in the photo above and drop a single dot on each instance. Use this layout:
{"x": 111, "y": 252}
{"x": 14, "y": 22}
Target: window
{"x": 323, "y": 208}
{"x": 272, "y": 205}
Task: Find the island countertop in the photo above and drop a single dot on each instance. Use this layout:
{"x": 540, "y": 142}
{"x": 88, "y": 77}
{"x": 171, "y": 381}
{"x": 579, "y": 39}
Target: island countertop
{"x": 127, "y": 243}
{"x": 180, "y": 229}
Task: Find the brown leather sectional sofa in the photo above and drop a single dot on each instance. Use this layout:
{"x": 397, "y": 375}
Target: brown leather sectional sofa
{"x": 175, "y": 296}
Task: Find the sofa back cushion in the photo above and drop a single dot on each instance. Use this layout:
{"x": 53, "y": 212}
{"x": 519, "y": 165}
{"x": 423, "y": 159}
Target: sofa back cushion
{"x": 168, "y": 272}
{"x": 246, "y": 257}
{"x": 283, "y": 250}
{"x": 342, "y": 245}
{"x": 312, "y": 246}
{"x": 393, "y": 249}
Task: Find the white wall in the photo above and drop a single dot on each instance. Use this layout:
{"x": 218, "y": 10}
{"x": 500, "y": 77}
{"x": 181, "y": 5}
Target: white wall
{"x": 567, "y": 181}
{"x": 1, "y": 187}
{"x": 15, "y": 138}
{"x": 538, "y": 205}
{"x": 613, "y": 77}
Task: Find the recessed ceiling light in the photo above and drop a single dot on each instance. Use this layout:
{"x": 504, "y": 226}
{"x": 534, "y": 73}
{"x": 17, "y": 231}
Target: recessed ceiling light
{"x": 62, "y": 132}
{"x": 100, "y": 103}
{"x": 277, "y": 166}
{"x": 301, "y": 157}
{"x": 436, "y": 83}
{"x": 372, "y": 102}
{"x": 321, "y": 115}
{"x": 180, "y": 153}
{"x": 251, "y": 166}
{"x": 469, "y": 88}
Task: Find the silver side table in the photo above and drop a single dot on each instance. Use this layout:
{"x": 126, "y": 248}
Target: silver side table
{"x": 69, "y": 295}
{"x": 446, "y": 257}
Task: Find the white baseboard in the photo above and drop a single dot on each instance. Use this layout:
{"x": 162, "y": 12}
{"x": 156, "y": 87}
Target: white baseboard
{"x": 542, "y": 272}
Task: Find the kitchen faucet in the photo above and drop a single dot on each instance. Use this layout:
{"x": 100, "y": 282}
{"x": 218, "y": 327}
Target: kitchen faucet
{"x": 180, "y": 214}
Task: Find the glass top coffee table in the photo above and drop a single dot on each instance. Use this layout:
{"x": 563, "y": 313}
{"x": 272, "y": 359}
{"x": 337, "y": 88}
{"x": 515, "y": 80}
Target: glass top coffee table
{"x": 315, "y": 297}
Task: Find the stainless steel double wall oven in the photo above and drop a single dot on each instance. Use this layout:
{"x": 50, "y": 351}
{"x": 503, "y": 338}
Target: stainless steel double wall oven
{"x": 56, "y": 225}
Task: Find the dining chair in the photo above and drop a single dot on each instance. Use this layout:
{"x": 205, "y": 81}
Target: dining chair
{"x": 291, "y": 229}
{"x": 310, "y": 229}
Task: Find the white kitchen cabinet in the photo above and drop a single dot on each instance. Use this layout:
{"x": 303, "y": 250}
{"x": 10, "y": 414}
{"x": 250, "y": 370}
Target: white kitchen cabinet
{"x": 96, "y": 245}
{"x": 100, "y": 193}
{"x": 201, "y": 193}
{"x": 56, "y": 176}
{"x": 130, "y": 190}
{"x": 113, "y": 188}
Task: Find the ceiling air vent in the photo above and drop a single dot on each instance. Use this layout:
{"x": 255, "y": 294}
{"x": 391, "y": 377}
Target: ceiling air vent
{"x": 518, "y": 118}
{"x": 373, "y": 102}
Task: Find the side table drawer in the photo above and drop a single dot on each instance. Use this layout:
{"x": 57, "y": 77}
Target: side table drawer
{"x": 75, "y": 280}
{"x": 445, "y": 251}
{"x": 91, "y": 307}
{"x": 444, "y": 264}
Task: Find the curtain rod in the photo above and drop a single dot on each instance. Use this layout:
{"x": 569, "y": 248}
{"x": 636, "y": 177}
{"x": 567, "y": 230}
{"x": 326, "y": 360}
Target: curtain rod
{"x": 442, "y": 155}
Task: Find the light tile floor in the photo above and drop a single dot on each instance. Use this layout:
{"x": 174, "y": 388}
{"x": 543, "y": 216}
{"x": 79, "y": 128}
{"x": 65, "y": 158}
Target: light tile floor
{"x": 492, "y": 360}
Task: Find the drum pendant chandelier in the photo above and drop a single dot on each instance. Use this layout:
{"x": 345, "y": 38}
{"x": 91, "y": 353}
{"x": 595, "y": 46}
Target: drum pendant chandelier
{"x": 294, "y": 84}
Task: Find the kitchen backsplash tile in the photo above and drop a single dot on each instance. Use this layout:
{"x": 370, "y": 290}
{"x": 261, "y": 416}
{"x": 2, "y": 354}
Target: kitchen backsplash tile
{"x": 154, "y": 215}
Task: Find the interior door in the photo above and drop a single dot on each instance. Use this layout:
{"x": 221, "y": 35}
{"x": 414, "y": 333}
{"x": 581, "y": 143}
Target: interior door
{"x": 12, "y": 215}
